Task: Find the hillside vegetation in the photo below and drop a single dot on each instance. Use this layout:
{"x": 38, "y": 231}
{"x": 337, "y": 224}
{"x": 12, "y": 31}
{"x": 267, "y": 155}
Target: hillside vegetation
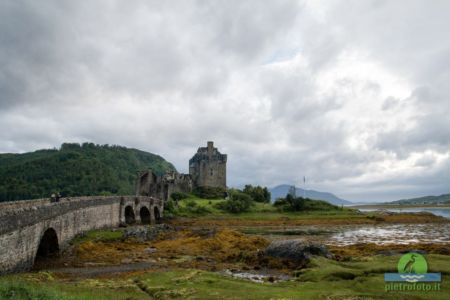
{"x": 442, "y": 199}
{"x": 75, "y": 170}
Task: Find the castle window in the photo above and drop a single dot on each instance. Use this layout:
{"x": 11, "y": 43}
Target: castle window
{"x": 211, "y": 172}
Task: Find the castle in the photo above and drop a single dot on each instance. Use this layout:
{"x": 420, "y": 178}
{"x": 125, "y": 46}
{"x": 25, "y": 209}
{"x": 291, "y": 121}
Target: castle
{"x": 207, "y": 168}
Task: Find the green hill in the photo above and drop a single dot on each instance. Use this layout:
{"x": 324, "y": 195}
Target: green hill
{"x": 75, "y": 170}
{"x": 442, "y": 199}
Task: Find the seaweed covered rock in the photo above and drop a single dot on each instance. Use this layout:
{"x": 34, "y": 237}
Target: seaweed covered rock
{"x": 147, "y": 233}
{"x": 298, "y": 250}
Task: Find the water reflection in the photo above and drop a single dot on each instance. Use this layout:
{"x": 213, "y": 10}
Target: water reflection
{"x": 390, "y": 234}
{"x": 354, "y": 234}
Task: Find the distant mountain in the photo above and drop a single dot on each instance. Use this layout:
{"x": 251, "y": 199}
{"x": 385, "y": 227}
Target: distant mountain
{"x": 75, "y": 170}
{"x": 281, "y": 191}
{"x": 424, "y": 200}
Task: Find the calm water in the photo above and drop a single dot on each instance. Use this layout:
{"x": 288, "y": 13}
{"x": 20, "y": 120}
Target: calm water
{"x": 444, "y": 212}
{"x": 393, "y": 234}
{"x": 375, "y": 233}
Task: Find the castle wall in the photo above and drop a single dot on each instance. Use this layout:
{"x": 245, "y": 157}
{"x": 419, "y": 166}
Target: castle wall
{"x": 163, "y": 186}
{"x": 208, "y": 167}
{"x": 211, "y": 173}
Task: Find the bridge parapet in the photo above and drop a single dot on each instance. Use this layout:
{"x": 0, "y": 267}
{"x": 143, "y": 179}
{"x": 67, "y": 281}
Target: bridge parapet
{"x": 22, "y": 204}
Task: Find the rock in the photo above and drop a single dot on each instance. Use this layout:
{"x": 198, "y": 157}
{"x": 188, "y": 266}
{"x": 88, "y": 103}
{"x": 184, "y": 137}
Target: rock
{"x": 150, "y": 250}
{"x": 147, "y": 233}
{"x": 298, "y": 250}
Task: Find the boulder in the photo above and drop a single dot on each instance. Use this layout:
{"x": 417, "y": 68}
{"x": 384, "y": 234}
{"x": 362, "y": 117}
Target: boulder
{"x": 298, "y": 250}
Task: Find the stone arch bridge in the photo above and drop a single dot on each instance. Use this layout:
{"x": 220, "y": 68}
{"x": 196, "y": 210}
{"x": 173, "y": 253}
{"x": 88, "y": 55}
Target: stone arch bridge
{"x": 40, "y": 227}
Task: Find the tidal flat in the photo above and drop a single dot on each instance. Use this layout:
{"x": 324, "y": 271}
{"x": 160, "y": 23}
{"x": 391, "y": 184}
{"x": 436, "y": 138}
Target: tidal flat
{"x": 222, "y": 257}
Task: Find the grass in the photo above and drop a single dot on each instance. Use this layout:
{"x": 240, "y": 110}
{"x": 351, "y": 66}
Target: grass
{"x": 106, "y": 235}
{"x": 258, "y": 211}
{"x": 323, "y": 279}
{"x": 201, "y": 212}
{"x": 30, "y": 286}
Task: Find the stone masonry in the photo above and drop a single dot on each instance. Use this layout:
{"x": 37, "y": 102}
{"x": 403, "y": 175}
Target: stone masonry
{"x": 162, "y": 187}
{"x": 208, "y": 167}
{"x": 25, "y": 224}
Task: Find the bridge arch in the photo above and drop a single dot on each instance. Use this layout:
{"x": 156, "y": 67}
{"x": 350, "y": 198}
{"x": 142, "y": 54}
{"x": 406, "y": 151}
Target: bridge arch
{"x": 145, "y": 215}
{"x": 48, "y": 246}
{"x": 130, "y": 218}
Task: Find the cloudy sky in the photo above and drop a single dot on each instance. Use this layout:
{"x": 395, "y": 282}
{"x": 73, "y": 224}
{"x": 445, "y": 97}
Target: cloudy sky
{"x": 353, "y": 94}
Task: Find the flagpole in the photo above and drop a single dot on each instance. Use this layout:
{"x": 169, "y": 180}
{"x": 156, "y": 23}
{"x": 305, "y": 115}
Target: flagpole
{"x": 304, "y": 187}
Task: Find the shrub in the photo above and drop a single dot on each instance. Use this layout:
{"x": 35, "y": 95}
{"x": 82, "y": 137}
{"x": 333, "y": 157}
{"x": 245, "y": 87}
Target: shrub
{"x": 238, "y": 202}
{"x": 177, "y": 196}
{"x": 295, "y": 204}
{"x": 303, "y": 204}
{"x": 169, "y": 206}
{"x": 280, "y": 202}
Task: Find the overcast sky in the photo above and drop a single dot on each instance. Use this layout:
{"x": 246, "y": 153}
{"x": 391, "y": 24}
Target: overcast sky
{"x": 355, "y": 95}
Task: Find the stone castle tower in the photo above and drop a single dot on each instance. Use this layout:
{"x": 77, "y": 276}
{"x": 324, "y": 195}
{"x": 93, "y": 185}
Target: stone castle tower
{"x": 208, "y": 167}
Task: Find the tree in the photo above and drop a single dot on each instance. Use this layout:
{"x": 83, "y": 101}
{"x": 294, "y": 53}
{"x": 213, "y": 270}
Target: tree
{"x": 74, "y": 170}
{"x": 258, "y": 193}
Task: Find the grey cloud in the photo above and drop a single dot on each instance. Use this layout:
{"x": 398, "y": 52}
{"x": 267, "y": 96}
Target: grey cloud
{"x": 431, "y": 125}
{"x": 246, "y": 28}
{"x": 167, "y": 76}
{"x": 425, "y": 161}
{"x": 390, "y": 103}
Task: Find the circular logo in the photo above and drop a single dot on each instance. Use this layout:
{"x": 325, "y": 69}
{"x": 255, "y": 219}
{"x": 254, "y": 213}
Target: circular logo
{"x": 412, "y": 263}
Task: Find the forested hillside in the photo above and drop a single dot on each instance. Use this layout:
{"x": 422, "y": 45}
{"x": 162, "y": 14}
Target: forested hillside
{"x": 75, "y": 170}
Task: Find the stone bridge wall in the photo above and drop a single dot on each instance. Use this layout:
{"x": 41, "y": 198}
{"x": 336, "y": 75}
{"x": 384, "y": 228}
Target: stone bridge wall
{"x": 23, "y": 223}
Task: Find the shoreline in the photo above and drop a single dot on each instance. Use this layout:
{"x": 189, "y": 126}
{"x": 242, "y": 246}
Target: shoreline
{"x": 399, "y": 206}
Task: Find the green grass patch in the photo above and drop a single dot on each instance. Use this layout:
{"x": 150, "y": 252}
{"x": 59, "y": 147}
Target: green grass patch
{"x": 102, "y": 235}
{"x": 323, "y": 279}
{"x": 258, "y": 211}
{"x": 29, "y": 287}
